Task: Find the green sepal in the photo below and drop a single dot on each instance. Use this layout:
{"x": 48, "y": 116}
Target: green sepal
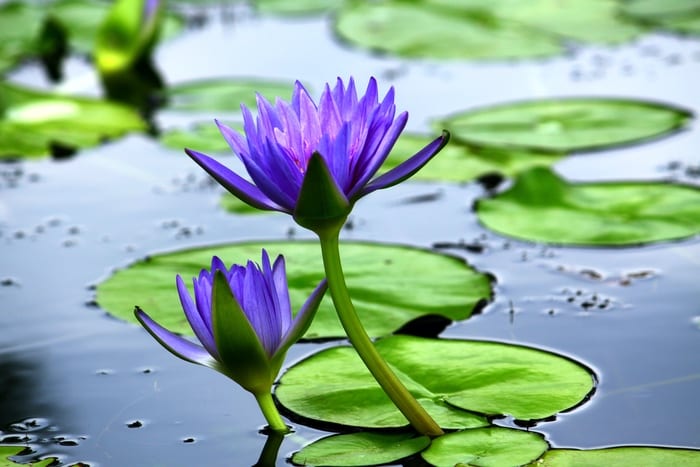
{"x": 321, "y": 204}
{"x": 241, "y": 353}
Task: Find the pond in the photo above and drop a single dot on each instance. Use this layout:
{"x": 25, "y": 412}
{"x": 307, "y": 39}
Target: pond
{"x": 85, "y": 387}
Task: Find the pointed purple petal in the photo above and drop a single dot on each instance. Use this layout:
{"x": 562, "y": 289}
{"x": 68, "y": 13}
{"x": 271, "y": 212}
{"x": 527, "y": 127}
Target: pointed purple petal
{"x": 175, "y": 344}
{"x": 279, "y": 278}
{"x": 408, "y": 167}
{"x": 199, "y": 324}
{"x": 304, "y": 317}
{"x": 375, "y": 161}
{"x": 235, "y": 141}
{"x": 234, "y": 183}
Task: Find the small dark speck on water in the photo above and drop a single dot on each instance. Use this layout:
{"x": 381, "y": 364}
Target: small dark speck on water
{"x": 135, "y": 424}
{"x": 188, "y": 440}
{"x": 9, "y": 281}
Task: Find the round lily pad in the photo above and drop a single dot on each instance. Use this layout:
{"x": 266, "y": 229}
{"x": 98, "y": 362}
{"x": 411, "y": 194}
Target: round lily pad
{"x": 9, "y": 451}
{"x": 35, "y": 123}
{"x": 541, "y": 207}
{"x": 481, "y": 29}
{"x": 486, "y": 447}
{"x": 452, "y": 379}
{"x": 390, "y": 285}
{"x": 676, "y": 15}
{"x": 360, "y": 449}
{"x": 565, "y": 125}
{"x": 623, "y": 456}
{"x": 224, "y": 94}
{"x": 460, "y": 163}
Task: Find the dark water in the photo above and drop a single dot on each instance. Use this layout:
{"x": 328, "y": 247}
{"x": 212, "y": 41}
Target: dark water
{"x": 82, "y": 386}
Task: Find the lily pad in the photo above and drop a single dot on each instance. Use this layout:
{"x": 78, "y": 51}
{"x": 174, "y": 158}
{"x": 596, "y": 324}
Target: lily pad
{"x": 481, "y": 29}
{"x": 676, "y": 15}
{"x": 8, "y": 451}
{"x": 390, "y": 285}
{"x": 452, "y": 379}
{"x": 203, "y": 136}
{"x": 565, "y": 125}
{"x": 360, "y": 449}
{"x": 35, "y": 123}
{"x": 541, "y": 207}
{"x": 224, "y": 94}
{"x": 20, "y": 25}
{"x": 486, "y": 447}
{"x": 460, "y": 163}
{"x": 297, "y": 7}
{"x": 623, "y": 456}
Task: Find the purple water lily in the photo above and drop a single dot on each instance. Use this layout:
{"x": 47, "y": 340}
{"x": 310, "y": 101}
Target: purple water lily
{"x": 242, "y": 318}
{"x": 353, "y": 137}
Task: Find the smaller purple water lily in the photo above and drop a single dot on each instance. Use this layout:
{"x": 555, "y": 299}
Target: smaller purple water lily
{"x": 315, "y": 161}
{"x": 243, "y": 320}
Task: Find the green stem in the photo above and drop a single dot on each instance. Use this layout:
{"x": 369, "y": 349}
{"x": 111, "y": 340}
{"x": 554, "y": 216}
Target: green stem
{"x": 269, "y": 410}
{"x": 397, "y": 392}
{"x": 270, "y": 452}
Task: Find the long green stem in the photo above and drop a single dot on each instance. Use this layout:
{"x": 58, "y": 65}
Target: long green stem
{"x": 397, "y": 392}
{"x": 269, "y": 410}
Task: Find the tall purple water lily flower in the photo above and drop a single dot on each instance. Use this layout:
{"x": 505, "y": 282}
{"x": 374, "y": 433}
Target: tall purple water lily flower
{"x": 330, "y": 150}
{"x": 243, "y": 320}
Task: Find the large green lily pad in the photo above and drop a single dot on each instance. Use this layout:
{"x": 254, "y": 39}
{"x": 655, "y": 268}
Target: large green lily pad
{"x": 35, "y": 123}
{"x": 20, "y": 25}
{"x": 541, "y": 207}
{"x": 297, "y": 7}
{"x": 485, "y": 447}
{"x": 390, "y": 285}
{"x": 565, "y": 125}
{"x": 676, "y": 15}
{"x": 481, "y": 29}
{"x": 360, "y": 449}
{"x": 460, "y": 163}
{"x": 452, "y": 379}
{"x": 623, "y": 456}
{"x": 224, "y": 94}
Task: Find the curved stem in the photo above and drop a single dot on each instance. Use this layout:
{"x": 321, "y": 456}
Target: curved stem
{"x": 397, "y": 392}
{"x": 269, "y": 410}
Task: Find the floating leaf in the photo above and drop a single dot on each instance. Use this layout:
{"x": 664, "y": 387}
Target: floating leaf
{"x": 8, "y": 451}
{"x": 623, "y": 456}
{"x": 20, "y": 24}
{"x": 676, "y": 15}
{"x": 460, "y": 163}
{"x": 481, "y": 28}
{"x": 224, "y": 94}
{"x": 235, "y": 206}
{"x": 565, "y": 125}
{"x": 297, "y": 7}
{"x": 390, "y": 285}
{"x": 203, "y": 136}
{"x": 544, "y": 208}
{"x": 443, "y": 33}
{"x": 450, "y": 378}
{"x": 486, "y": 447}
{"x": 35, "y": 123}
{"x": 360, "y": 449}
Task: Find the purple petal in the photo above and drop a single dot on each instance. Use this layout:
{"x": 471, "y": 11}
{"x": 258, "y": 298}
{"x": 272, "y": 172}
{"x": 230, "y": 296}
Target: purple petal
{"x": 175, "y": 344}
{"x": 279, "y": 278}
{"x": 235, "y": 141}
{"x": 197, "y": 322}
{"x": 234, "y": 183}
{"x": 378, "y": 157}
{"x": 304, "y": 317}
{"x": 407, "y": 168}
